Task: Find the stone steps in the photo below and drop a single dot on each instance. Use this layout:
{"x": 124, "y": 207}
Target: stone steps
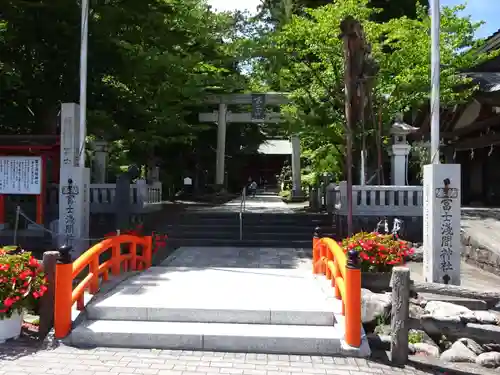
{"x": 265, "y": 310}
{"x": 212, "y": 228}
{"x": 243, "y": 338}
{"x": 313, "y": 317}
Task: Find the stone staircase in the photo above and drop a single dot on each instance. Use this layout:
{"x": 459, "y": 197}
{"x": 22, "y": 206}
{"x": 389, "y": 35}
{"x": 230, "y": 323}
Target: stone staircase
{"x": 261, "y": 310}
{"x": 215, "y": 228}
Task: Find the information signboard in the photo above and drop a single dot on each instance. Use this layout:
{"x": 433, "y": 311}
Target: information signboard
{"x": 21, "y": 175}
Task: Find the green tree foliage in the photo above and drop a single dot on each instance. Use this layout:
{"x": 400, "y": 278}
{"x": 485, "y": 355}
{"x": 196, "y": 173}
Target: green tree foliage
{"x": 307, "y": 61}
{"x": 280, "y": 11}
{"x": 150, "y": 64}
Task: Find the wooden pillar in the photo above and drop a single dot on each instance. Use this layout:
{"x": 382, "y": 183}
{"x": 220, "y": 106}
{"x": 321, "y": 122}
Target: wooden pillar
{"x": 40, "y": 198}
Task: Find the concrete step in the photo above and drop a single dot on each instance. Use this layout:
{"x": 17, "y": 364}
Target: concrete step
{"x": 252, "y": 218}
{"x": 177, "y": 241}
{"x": 244, "y": 338}
{"x": 155, "y": 312}
{"x": 203, "y": 233}
{"x": 235, "y": 224}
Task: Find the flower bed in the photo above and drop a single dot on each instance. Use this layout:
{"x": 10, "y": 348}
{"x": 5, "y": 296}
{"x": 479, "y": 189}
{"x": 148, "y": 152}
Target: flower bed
{"x": 378, "y": 252}
{"x": 22, "y": 283}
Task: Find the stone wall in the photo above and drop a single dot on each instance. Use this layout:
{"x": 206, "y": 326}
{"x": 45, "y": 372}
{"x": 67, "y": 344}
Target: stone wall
{"x": 479, "y": 254}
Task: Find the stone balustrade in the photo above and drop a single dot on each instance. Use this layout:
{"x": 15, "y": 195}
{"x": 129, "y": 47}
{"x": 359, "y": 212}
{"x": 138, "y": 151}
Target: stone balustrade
{"x": 374, "y": 200}
{"x": 102, "y": 198}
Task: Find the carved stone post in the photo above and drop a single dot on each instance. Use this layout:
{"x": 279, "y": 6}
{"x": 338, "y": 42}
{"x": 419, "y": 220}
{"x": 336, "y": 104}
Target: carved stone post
{"x": 400, "y": 315}
{"x": 47, "y": 301}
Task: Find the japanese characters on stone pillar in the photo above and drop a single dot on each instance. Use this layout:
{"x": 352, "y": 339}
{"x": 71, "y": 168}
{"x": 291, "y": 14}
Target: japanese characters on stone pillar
{"x": 100, "y": 161}
{"x": 70, "y": 134}
{"x": 442, "y": 247}
{"x": 74, "y": 185}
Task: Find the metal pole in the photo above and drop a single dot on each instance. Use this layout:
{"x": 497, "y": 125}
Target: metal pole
{"x": 435, "y": 70}
{"x": 83, "y": 79}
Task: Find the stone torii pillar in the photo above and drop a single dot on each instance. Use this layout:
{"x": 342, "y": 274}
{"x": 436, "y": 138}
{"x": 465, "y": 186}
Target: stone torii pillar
{"x": 221, "y": 144}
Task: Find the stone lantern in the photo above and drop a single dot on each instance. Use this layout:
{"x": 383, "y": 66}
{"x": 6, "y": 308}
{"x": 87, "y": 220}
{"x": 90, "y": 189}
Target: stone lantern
{"x": 400, "y": 150}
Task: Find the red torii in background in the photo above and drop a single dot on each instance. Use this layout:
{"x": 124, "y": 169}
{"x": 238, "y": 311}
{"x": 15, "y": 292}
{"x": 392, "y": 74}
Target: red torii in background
{"x": 45, "y": 146}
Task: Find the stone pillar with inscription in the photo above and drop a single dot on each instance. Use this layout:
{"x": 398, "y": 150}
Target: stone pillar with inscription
{"x": 74, "y": 185}
{"x": 100, "y": 161}
{"x": 442, "y": 211}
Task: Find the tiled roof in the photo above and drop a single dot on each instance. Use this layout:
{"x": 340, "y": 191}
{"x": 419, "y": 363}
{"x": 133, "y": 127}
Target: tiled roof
{"x": 276, "y": 147}
{"x": 488, "y": 82}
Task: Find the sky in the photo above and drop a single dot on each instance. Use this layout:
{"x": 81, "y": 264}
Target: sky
{"x": 479, "y": 10}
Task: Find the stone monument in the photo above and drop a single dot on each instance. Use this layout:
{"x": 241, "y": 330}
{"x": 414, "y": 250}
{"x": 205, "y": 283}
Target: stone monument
{"x": 74, "y": 185}
{"x": 442, "y": 212}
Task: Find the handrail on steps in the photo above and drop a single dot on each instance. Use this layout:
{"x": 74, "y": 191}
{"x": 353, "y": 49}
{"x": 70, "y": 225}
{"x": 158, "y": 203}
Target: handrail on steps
{"x": 242, "y": 208}
{"x": 67, "y": 271}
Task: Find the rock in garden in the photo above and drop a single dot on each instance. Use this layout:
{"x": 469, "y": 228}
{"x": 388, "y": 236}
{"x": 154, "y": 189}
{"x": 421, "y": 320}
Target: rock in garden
{"x": 416, "y": 311}
{"x": 472, "y": 345}
{"x": 490, "y": 360}
{"x": 435, "y": 325}
{"x": 491, "y": 347}
{"x": 439, "y": 308}
{"x": 485, "y": 317}
{"x": 374, "y": 305}
{"x": 458, "y": 353}
{"x": 379, "y": 342}
{"x": 426, "y": 349}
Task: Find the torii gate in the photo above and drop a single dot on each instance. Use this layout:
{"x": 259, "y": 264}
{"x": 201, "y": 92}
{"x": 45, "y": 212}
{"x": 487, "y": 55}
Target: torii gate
{"x": 258, "y": 115}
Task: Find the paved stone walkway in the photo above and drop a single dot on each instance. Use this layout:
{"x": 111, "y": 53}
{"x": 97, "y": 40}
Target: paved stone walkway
{"x": 63, "y": 360}
{"x": 263, "y": 203}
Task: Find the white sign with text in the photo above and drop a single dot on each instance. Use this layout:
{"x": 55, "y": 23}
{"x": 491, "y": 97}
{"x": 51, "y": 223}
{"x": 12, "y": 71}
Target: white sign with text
{"x": 21, "y": 175}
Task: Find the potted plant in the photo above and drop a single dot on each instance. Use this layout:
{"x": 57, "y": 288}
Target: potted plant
{"x": 22, "y": 283}
{"x": 379, "y": 253}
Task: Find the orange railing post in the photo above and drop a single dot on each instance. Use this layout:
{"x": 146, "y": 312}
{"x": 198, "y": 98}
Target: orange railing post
{"x": 323, "y": 249}
{"x": 315, "y": 249}
{"x": 63, "y": 293}
{"x": 353, "y": 300}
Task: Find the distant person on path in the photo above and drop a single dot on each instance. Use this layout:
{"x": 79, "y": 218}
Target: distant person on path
{"x": 253, "y": 189}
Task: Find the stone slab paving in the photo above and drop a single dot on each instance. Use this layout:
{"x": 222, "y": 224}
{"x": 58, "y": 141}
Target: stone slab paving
{"x": 261, "y": 203}
{"x": 240, "y": 257}
{"x": 22, "y": 359}
{"x": 250, "y": 289}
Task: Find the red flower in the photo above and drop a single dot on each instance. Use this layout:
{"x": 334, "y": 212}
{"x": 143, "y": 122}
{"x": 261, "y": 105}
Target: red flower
{"x": 4, "y": 267}
{"x": 33, "y": 262}
{"x": 8, "y": 302}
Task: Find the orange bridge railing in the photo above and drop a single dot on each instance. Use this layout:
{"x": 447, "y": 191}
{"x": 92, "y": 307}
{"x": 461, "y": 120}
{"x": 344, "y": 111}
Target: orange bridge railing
{"x": 137, "y": 255}
{"x": 344, "y": 271}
